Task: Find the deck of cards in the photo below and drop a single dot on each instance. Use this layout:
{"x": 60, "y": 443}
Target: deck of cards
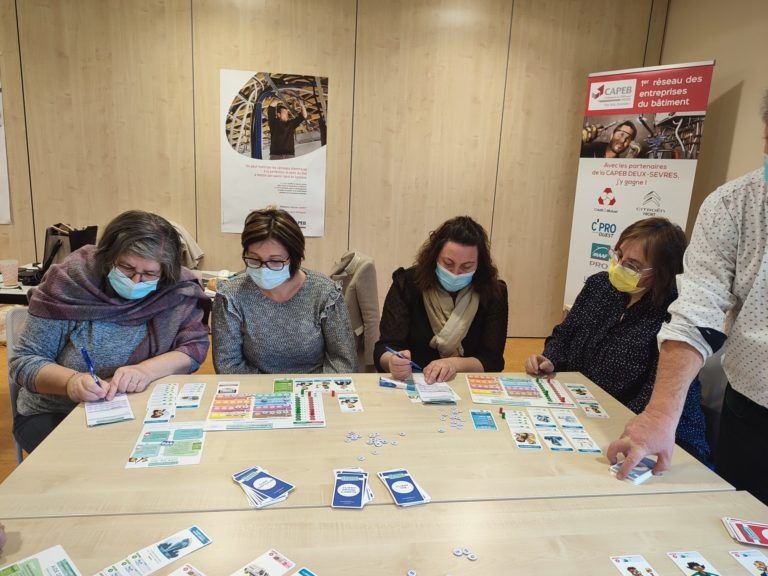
{"x": 350, "y": 489}
{"x": 746, "y": 531}
{"x": 262, "y": 488}
{"x": 640, "y": 473}
{"x": 403, "y": 488}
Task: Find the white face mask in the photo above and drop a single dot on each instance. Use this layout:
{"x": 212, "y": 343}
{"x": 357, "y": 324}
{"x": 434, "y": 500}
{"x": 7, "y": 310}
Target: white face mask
{"x": 267, "y": 279}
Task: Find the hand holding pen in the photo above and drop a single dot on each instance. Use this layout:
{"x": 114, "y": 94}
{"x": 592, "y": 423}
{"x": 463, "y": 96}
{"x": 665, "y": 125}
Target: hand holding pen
{"x": 400, "y": 364}
{"x": 81, "y": 388}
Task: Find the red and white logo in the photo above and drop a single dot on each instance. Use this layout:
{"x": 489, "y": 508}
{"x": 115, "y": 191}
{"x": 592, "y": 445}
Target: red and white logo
{"x": 599, "y": 92}
{"x": 606, "y": 198}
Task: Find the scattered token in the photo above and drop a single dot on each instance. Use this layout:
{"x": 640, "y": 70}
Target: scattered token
{"x": 458, "y": 552}
{"x": 472, "y": 557}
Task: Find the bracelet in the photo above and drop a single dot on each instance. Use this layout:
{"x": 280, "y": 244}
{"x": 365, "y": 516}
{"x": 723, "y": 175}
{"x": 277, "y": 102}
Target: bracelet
{"x": 66, "y": 384}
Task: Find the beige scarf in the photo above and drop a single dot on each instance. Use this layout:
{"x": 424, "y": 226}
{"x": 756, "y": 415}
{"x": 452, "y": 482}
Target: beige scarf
{"x": 450, "y": 321}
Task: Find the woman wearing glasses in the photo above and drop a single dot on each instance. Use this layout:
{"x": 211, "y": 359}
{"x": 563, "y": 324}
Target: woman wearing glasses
{"x": 276, "y": 317}
{"x": 110, "y": 318}
{"x": 609, "y": 335}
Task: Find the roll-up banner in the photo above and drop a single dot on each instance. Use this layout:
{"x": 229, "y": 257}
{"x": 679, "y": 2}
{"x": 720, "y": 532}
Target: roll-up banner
{"x": 640, "y": 142}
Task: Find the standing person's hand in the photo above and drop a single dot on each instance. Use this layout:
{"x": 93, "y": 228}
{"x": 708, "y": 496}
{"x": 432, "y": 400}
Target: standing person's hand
{"x": 648, "y": 433}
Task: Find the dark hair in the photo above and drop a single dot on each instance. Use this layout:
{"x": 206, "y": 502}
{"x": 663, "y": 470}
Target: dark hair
{"x": 664, "y": 245}
{"x": 274, "y": 224}
{"x": 465, "y": 231}
{"x": 279, "y": 108}
{"x": 631, "y": 127}
{"x": 145, "y": 235}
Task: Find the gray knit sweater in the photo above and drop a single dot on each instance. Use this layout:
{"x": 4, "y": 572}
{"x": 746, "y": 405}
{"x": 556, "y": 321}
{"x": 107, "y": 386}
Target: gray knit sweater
{"x": 310, "y": 333}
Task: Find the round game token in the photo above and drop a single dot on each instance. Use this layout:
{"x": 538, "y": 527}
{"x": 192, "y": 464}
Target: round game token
{"x": 411, "y": 572}
{"x": 466, "y": 552}
{"x": 472, "y": 557}
{"x": 402, "y": 433}
{"x": 394, "y": 442}
{"x": 361, "y": 458}
{"x": 458, "y": 552}
{"x": 441, "y": 430}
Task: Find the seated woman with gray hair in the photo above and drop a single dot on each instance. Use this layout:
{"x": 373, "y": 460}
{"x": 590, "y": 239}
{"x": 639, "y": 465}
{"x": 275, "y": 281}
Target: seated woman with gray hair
{"x": 128, "y": 303}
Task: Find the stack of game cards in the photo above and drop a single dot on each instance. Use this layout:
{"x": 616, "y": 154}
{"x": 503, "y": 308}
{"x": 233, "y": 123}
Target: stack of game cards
{"x": 640, "y": 473}
{"x": 161, "y": 406}
{"x": 350, "y": 489}
{"x": 403, "y": 488}
{"x": 746, "y": 531}
{"x": 261, "y": 488}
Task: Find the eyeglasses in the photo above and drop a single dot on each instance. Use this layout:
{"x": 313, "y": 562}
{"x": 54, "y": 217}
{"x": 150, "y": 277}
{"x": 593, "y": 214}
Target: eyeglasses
{"x": 271, "y": 264}
{"x": 131, "y": 273}
{"x": 616, "y": 256}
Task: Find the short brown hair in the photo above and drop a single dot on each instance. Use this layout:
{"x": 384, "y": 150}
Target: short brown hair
{"x": 664, "y": 245}
{"x": 465, "y": 231}
{"x": 274, "y": 224}
{"x": 145, "y": 235}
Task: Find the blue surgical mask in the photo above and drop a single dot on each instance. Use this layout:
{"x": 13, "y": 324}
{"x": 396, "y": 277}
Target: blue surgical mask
{"x": 765, "y": 169}
{"x": 267, "y": 279}
{"x": 453, "y": 282}
{"x": 129, "y": 289}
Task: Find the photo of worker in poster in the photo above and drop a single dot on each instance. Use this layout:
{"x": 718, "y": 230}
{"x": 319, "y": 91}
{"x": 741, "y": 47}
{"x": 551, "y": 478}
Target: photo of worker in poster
{"x": 273, "y": 151}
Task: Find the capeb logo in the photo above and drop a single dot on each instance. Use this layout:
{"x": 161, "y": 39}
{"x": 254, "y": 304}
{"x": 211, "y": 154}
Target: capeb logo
{"x": 607, "y": 198}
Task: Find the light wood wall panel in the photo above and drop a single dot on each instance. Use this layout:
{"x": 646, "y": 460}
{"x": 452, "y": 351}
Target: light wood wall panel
{"x": 555, "y": 45}
{"x": 17, "y": 238}
{"x": 108, "y": 92}
{"x": 290, "y": 36}
{"x": 734, "y": 35}
{"x": 429, "y": 91}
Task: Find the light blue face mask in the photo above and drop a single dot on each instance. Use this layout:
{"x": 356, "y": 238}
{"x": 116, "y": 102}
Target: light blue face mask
{"x": 453, "y": 282}
{"x": 267, "y": 279}
{"x": 129, "y": 289}
{"x": 765, "y": 169}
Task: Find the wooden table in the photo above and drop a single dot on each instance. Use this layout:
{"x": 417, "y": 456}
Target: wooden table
{"x": 542, "y": 537}
{"x": 80, "y": 471}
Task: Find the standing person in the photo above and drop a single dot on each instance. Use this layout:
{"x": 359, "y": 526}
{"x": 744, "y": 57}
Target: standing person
{"x": 448, "y": 312}
{"x": 609, "y": 335}
{"x": 282, "y": 129}
{"x": 722, "y": 295}
{"x": 622, "y": 137}
{"x": 277, "y": 317}
{"x": 128, "y": 302}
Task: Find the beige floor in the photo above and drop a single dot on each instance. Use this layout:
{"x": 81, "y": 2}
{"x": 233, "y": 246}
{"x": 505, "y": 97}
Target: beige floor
{"x": 517, "y": 349}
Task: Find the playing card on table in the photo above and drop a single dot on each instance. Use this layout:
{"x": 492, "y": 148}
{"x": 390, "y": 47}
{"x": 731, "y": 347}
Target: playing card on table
{"x": 640, "y": 473}
{"x": 566, "y": 419}
{"x": 633, "y": 565}
{"x": 593, "y": 409}
{"x": 403, "y": 488}
{"x": 350, "y": 489}
{"x": 261, "y": 487}
{"x": 556, "y": 441}
{"x": 350, "y": 403}
{"x": 227, "y": 387}
{"x": 522, "y": 430}
{"x": 583, "y": 442}
{"x": 755, "y": 562}
{"x": 746, "y": 531}
{"x": 271, "y": 563}
{"x": 482, "y": 419}
{"x": 692, "y": 563}
{"x": 580, "y": 392}
{"x": 542, "y": 419}
{"x": 190, "y": 396}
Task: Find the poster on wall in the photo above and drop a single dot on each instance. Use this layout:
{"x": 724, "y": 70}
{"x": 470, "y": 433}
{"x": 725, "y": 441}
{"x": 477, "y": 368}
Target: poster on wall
{"x": 640, "y": 142}
{"x": 5, "y": 193}
{"x": 273, "y": 146}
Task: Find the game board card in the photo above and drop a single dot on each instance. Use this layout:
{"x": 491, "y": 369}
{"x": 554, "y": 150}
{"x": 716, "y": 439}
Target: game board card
{"x": 693, "y": 563}
{"x": 53, "y": 560}
{"x": 747, "y": 531}
{"x": 593, "y": 409}
{"x": 159, "y": 415}
{"x": 266, "y": 485}
{"x": 227, "y": 387}
{"x": 583, "y": 442}
{"x": 555, "y": 441}
{"x": 633, "y": 565}
{"x": 403, "y": 488}
{"x": 271, "y": 563}
{"x": 483, "y": 420}
{"x": 350, "y": 403}
{"x": 640, "y": 473}
{"x": 580, "y": 392}
{"x": 190, "y": 396}
{"x": 754, "y": 561}
{"x": 522, "y": 430}
{"x": 542, "y": 419}
{"x": 566, "y": 419}
{"x": 343, "y": 385}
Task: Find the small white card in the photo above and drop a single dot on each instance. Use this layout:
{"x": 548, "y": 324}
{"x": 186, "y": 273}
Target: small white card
{"x": 108, "y": 412}
{"x": 692, "y": 563}
{"x": 271, "y": 563}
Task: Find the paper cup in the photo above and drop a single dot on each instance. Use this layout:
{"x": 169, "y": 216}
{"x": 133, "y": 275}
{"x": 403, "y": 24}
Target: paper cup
{"x": 10, "y": 271}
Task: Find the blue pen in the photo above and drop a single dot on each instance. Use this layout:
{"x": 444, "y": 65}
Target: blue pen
{"x": 90, "y": 366}
{"x": 396, "y": 353}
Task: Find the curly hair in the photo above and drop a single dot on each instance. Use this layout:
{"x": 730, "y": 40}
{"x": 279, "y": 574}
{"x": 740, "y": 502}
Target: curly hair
{"x": 465, "y": 231}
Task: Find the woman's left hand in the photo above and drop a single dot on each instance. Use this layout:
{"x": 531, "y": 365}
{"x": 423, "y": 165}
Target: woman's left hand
{"x": 439, "y": 371}
{"x": 131, "y": 379}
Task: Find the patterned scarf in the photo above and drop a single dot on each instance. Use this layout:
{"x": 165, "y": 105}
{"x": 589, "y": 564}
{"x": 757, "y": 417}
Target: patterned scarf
{"x": 74, "y": 290}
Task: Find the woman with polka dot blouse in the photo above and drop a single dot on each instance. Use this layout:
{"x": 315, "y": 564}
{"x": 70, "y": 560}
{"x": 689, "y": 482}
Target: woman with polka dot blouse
{"x": 610, "y": 332}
